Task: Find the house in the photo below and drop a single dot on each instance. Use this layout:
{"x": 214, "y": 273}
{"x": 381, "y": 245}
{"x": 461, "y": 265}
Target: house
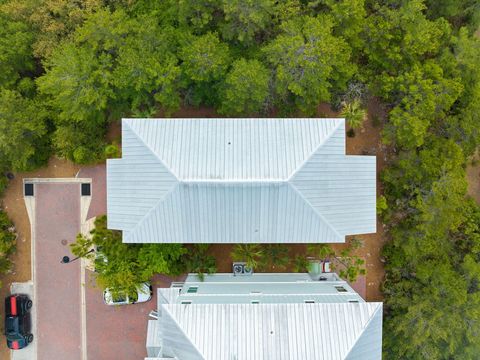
{"x": 264, "y": 317}
{"x": 248, "y": 181}
{"x": 239, "y": 181}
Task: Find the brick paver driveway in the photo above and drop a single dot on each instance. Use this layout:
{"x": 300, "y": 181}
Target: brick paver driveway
{"x": 115, "y": 332}
{"x": 57, "y": 286}
{"x": 102, "y": 332}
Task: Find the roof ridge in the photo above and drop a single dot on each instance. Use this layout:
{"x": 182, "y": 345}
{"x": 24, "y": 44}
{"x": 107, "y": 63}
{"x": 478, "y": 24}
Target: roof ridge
{"x": 322, "y": 218}
{"x": 340, "y": 122}
{"x": 378, "y": 306}
{"x": 181, "y": 329}
{"x": 140, "y": 138}
{"x": 146, "y": 215}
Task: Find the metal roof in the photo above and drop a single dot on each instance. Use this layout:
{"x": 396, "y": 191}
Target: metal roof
{"x": 266, "y": 288}
{"x": 273, "y": 331}
{"x": 239, "y": 181}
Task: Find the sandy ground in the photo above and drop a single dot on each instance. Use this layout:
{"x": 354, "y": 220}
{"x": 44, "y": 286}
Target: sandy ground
{"x": 473, "y": 177}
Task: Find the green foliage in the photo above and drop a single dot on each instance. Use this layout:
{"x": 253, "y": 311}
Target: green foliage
{"x": 198, "y": 261}
{"x": 7, "y": 242}
{"x": 300, "y": 264}
{"x": 346, "y": 262}
{"x": 244, "y": 19}
{"x": 354, "y": 114}
{"x": 112, "y": 151}
{"x": 400, "y": 36}
{"x": 23, "y": 132}
{"x": 159, "y": 258}
{"x": 350, "y": 20}
{"x": 3, "y": 184}
{"x": 15, "y": 51}
{"x": 276, "y": 256}
{"x": 308, "y": 61}
{"x": 198, "y": 15}
{"x": 146, "y": 66}
{"x": 49, "y": 21}
{"x": 121, "y": 267}
{"x": 246, "y": 88}
{"x": 425, "y": 95}
{"x": 252, "y": 254}
{"x": 205, "y": 58}
{"x": 382, "y": 205}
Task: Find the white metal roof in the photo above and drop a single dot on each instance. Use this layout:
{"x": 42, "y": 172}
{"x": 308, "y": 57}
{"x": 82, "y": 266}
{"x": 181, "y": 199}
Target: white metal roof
{"x": 273, "y": 331}
{"x": 239, "y": 180}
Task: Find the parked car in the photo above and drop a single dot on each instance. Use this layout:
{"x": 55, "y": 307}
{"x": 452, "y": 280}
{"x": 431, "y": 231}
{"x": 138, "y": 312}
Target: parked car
{"x": 18, "y": 325}
{"x": 144, "y": 294}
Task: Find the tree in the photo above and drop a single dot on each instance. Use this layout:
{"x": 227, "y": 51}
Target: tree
{"x": 50, "y": 21}
{"x": 244, "y": 19}
{"x": 246, "y": 88}
{"x": 276, "y": 257}
{"x": 78, "y": 83}
{"x": 197, "y": 260}
{"x": 205, "y": 58}
{"x": 160, "y": 259}
{"x": 308, "y": 61}
{"x": 198, "y": 15}
{"x": 15, "y": 51}
{"x": 354, "y": 114}
{"x": 24, "y": 143}
{"x": 122, "y": 267}
{"x": 147, "y": 69}
{"x": 8, "y": 238}
{"x": 350, "y": 21}
{"x": 399, "y": 36}
{"x": 252, "y": 254}
{"x": 463, "y": 124}
{"x": 423, "y": 95}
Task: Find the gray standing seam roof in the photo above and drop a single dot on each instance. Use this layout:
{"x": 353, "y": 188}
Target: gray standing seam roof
{"x": 333, "y": 331}
{"x": 239, "y": 181}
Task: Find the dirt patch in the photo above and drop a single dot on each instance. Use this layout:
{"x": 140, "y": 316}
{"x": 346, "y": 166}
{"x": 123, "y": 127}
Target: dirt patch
{"x": 473, "y": 177}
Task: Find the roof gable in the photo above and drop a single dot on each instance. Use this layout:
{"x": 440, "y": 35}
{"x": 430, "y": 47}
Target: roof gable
{"x": 279, "y": 331}
{"x": 233, "y": 149}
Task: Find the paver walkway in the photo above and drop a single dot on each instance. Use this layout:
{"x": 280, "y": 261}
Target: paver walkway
{"x": 57, "y": 290}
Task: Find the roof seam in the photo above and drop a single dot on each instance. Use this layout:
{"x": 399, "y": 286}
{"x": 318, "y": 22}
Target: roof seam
{"x": 364, "y": 328}
{"x": 294, "y": 188}
{"x": 305, "y": 161}
{"x": 131, "y": 231}
{"x": 126, "y": 122}
{"x": 182, "y": 330}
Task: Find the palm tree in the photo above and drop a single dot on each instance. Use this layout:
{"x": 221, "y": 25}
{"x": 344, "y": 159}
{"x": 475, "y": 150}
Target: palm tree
{"x": 354, "y": 114}
{"x": 252, "y": 254}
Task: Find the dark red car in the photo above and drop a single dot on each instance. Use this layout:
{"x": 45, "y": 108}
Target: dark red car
{"x": 18, "y": 325}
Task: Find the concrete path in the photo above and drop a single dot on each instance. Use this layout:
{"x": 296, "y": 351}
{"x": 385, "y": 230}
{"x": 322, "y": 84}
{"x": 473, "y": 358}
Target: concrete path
{"x": 29, "y": 352}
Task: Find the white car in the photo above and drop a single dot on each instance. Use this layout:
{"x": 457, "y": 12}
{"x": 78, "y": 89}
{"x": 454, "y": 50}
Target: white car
{"x": 144, "y": 294}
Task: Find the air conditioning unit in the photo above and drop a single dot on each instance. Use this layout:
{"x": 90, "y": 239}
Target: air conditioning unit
{"x": 241, "y": 268}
